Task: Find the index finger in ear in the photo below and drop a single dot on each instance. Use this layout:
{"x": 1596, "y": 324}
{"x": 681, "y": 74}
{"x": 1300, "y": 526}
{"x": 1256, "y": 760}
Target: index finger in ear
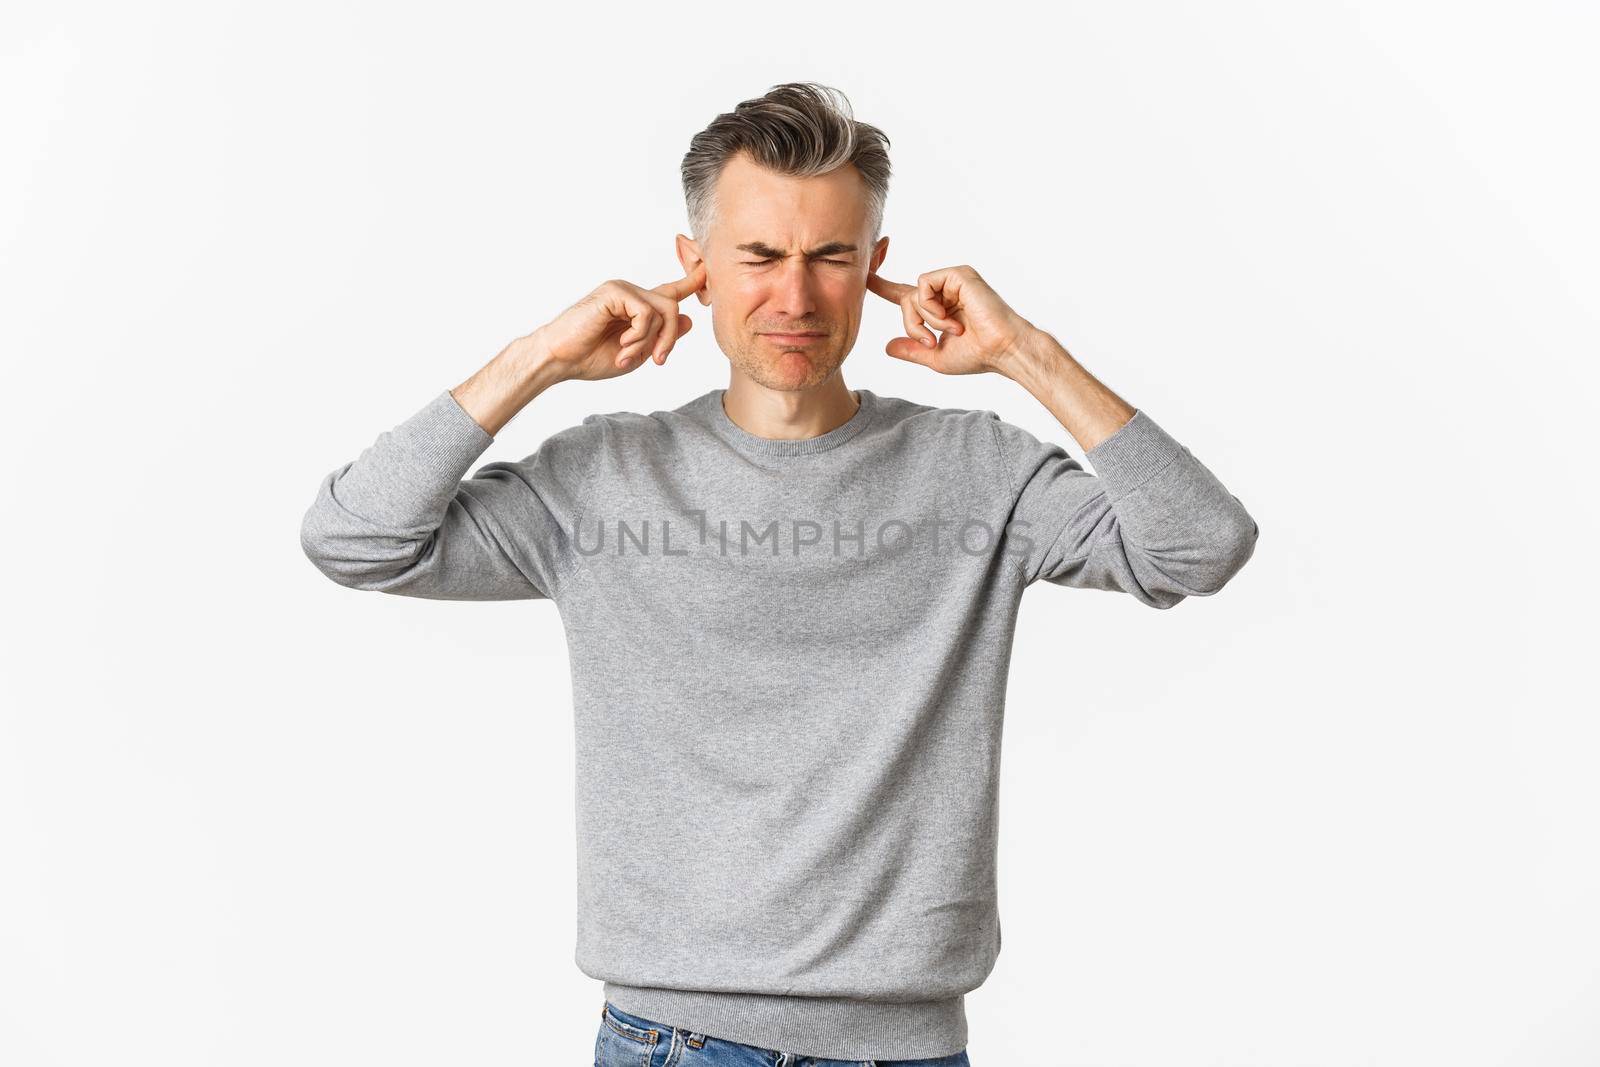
{"x": 685, "y": 286}
{"x": 890, "y": 291}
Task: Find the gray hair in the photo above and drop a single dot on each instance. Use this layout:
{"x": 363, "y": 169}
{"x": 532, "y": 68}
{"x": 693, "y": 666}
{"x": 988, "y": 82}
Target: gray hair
{"x": 799, "y": 129}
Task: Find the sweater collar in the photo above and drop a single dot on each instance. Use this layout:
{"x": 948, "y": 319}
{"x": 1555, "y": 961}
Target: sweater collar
{"x": 774, "y": 448}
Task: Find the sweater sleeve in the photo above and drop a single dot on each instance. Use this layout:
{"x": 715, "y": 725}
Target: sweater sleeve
{"x": 1153, "y": 521}
{"x": 400, "y": 518}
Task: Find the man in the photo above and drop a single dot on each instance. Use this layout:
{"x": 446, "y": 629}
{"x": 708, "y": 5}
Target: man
{"x": 789, "y": 605}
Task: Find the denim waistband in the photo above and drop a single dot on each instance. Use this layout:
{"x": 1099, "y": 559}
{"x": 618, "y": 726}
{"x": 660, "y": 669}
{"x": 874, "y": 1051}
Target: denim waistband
{"x": 837, "y": 1028}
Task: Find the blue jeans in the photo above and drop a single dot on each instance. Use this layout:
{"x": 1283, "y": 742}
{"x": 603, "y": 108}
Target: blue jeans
{"x": 629, "y": 1041}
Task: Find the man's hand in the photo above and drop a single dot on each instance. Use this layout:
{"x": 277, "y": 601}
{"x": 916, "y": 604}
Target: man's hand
{"x": 616, "y": 328}
{"x": 608, "y": 333}
{"x": 980, "y": 331}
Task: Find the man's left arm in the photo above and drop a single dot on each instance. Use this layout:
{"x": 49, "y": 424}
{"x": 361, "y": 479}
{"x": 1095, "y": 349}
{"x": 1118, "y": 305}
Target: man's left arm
{"x": 1152, "y": 520}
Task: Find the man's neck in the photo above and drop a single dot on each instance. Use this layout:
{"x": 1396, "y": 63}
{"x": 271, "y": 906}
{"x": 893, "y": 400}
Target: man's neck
{"x": 785, "y": 415}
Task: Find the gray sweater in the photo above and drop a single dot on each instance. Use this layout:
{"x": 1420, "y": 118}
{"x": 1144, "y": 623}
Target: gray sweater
{"x": 789, "y": 664}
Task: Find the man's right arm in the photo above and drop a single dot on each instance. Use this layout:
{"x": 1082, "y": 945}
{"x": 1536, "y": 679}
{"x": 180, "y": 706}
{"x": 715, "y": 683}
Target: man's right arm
{"x": 401, "y": 519}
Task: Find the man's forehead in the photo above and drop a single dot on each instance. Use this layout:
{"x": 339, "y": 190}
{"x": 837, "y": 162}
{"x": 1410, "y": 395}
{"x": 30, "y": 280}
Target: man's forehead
{"x": 786, "y": 216}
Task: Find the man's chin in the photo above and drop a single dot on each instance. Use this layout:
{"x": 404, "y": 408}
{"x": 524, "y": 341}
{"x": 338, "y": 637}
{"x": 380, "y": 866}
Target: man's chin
{"x": 791, "y": 371}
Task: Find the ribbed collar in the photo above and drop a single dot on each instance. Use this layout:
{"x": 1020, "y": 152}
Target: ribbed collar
{"x": 778, "y": 448}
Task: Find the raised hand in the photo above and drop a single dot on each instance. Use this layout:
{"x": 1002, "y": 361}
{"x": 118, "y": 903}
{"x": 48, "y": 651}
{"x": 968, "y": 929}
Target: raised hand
{"x": 617, "y": 327}
{"x": 980, "y": 330}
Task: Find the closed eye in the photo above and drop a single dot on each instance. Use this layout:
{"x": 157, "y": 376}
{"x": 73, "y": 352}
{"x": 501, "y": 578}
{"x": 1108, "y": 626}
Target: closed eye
{"x": 764, "y": 262}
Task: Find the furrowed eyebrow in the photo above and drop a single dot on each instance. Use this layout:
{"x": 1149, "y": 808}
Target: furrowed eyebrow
{"x": 766, "y": 251}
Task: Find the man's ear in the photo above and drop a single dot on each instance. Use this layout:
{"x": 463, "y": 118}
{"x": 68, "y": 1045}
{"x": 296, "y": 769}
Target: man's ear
{"x": 880, "y": 252}
{"x": 689, "y": 256}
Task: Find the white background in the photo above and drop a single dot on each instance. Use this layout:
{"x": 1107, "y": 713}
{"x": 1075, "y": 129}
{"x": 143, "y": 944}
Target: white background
{"x": 1343, "y": 813}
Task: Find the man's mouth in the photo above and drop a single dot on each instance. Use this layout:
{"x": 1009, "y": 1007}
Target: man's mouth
{"x": 793, "y": 338}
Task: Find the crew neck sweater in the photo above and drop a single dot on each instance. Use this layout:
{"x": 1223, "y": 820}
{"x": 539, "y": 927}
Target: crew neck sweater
{"x": 788, "y": 665}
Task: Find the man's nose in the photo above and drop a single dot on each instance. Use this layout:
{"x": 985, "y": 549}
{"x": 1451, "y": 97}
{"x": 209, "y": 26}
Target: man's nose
{"x": 794, "y": 290}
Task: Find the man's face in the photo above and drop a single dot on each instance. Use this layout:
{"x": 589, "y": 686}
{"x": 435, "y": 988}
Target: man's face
{"x": 786, "y": 255}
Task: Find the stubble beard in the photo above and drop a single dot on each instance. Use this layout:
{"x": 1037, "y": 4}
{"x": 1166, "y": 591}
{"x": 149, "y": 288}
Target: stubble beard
{"x": 788, "y": 369}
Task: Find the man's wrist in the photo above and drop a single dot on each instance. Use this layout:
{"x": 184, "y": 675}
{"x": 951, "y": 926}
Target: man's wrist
{"x": 1084, "y": 406}
{"x": 1033, "y": 356}
{"x": 527, "y": 362}
{"x": 507, "y": 383}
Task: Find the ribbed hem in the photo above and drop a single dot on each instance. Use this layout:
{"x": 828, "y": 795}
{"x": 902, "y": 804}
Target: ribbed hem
{"x": 834, "y": 1028}
{"x": 407, "y": 476}
{"x": 1133, "y": 455}
{"x": 463, "y": 434}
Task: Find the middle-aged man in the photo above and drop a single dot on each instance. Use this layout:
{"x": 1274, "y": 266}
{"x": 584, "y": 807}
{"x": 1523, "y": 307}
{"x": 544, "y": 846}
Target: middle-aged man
{"x": 789, "y": 605}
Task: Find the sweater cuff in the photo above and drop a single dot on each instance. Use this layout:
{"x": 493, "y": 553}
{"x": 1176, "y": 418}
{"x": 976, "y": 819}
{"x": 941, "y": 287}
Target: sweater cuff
{"x": 446, "y": 438}
{"x": 408, "y": 475}
{"x": 1134, "y": 454}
